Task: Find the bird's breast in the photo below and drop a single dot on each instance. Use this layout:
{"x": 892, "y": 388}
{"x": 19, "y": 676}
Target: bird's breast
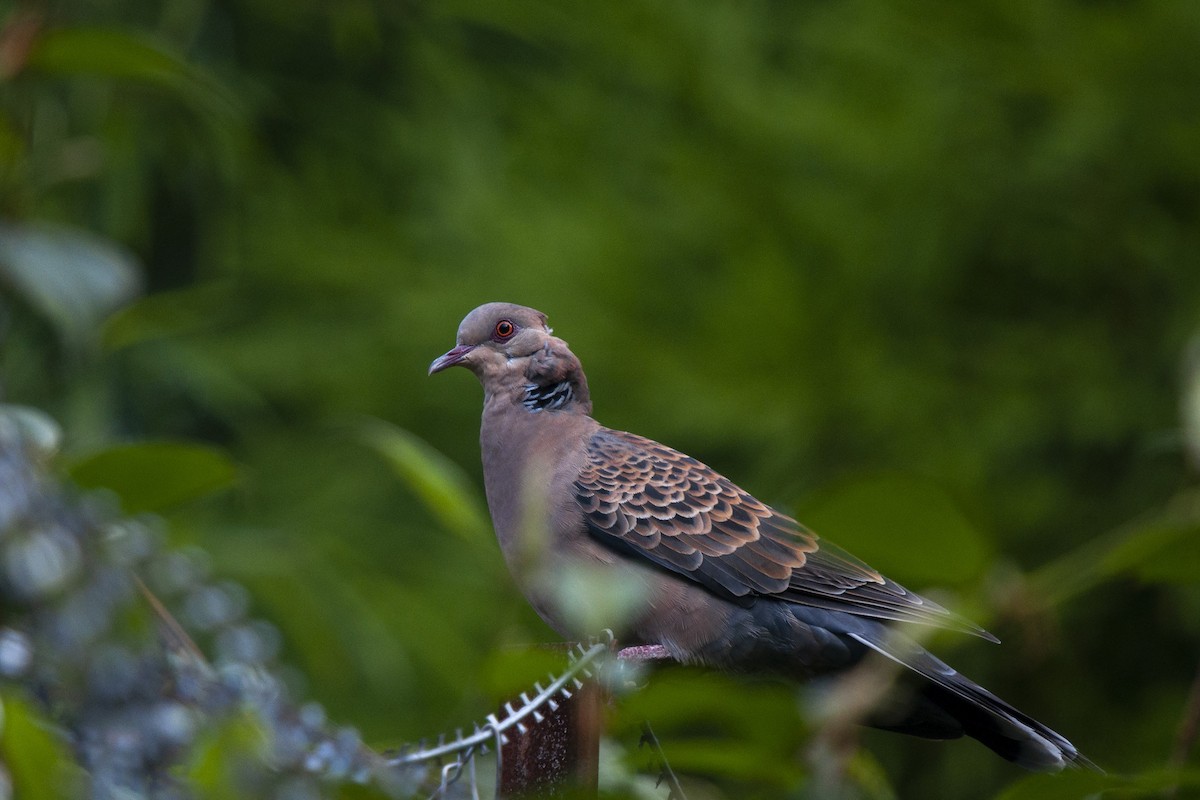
{"x": 530, "y": 463}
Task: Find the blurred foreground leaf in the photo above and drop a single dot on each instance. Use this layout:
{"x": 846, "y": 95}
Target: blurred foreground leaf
{"x": 592, "y": 598}
{"x": 436, "y": 480}
{"x": 155, "y": 476}
{"x": 869, "y": 776}
{"x": 716, "y": 725}
{"x": 1076, "y": 784}
{"x": 74, "y": 278}
{"x": 731, "y": 758}
{"x": 508, "y": 671}
{"x": 212, "y": 769}
{"x": 36, "y": 760}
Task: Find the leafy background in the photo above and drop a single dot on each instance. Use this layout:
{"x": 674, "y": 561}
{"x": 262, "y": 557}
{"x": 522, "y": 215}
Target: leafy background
{"x": 923, "y": 274}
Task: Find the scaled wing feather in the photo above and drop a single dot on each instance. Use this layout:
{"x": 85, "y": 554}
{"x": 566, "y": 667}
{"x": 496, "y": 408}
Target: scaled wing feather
{"x": 645, "y": 499}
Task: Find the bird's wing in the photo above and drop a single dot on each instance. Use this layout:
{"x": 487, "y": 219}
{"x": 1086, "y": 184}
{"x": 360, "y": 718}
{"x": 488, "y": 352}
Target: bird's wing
{"x": 647, "y": 500}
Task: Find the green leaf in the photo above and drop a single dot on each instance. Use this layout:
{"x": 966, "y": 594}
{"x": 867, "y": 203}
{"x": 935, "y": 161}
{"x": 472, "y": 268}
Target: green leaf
{"x": 136, "y": 58}
{"x": 37, "y": 761}
{"x": 74, "y": 278}
{"x": 1075, "y": 784}
{"x": 508, "y": 671}
{"x": 907, "y": 527}
{"x": 681, "y": 701}
{"x": 1151, "y": 550}
{"x": 154, "y": 476}
{"x": 591, "y": 597}
{"x": 168, "y": 314}
{"x": 1161, "y": 548}
{"x": 107, "y": 52}
{"x": 731, "y": 758}
{"x": 1064, "y": 786}
{"x": 217, "y": 767}
{"x": 440, "y": 484}
{"x": 1190, "y": 401}
{"x": 12, "y": 146}
{"x": 1175, "y": 561}
{"x": 869, "y": 776}
{"x": 124, "y": 55}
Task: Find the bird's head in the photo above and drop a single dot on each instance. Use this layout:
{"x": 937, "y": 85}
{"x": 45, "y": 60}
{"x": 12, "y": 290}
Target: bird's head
{"x": 494, "y": 335}
{"x": 512, "y": 351}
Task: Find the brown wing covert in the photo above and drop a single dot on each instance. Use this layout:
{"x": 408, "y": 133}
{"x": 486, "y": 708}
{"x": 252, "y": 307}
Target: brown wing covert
{"x": 646, "y": 499}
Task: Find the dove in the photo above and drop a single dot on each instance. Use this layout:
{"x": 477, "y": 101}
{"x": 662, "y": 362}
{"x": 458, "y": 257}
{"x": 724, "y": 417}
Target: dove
{"x": 727, "y": 582}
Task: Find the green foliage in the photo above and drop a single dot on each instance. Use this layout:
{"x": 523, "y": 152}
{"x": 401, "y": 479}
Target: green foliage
{"x": 108, "y": 54}
{"x": 155, "y": 476}
{"x": 1082, "y": 784}
{"x": 716, "y": 728}
{"x": 923, "y": 273}
{"x": 210, "y": 770}
{"x": 871, "y": 514}
{"x": 438, "y": 482}
{"x": 36, "y": 759}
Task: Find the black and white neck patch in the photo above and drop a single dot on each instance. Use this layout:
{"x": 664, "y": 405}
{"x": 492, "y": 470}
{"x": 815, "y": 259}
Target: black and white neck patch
{"x": 550, "y": 397}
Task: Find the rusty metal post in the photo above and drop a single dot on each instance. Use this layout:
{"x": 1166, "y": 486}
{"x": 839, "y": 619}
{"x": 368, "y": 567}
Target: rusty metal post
{"x": 559, "y": 756}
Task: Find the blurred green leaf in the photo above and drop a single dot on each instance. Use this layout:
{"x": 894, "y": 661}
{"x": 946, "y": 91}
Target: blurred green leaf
{"x": 625, "y": 773}
{"x": 170, "y": 314}
{"x": 685, "y": 700}
{"x": 591, "y": 598}
{"x": 870, "y": 777}
{"x": 137, "y": 56}
{"x": 155, "y": 476}
{"x": 73, "y": 277}
{"x": 509, "y": 671}
{"x": 37, "y": 761}
{"x": 1072, "y": 785}
{"x": 1076, "y": 784}
{"x": 212, "y": 766}
{"x": 870, "y": 517}
{"x": 439, "y": 483}
{"x": 1161, "y": 547}
{"x": 732, "y": 758}
{"x": 1141, "y": 543}
{"x": 12, "y": 146}
{"x": 124, "y": 55}
{"x": 109, "y": 52}
{"x": 1175, "y": 560}
{"x": 1145, "y": 545}
{"x": 1190, "y": 400}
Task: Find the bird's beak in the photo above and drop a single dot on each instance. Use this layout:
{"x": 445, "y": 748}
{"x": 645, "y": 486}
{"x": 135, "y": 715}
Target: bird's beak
{"x": 451, "y": 358}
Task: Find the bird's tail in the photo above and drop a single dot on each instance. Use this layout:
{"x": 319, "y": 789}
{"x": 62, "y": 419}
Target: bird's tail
{"x": 949, "y": 705}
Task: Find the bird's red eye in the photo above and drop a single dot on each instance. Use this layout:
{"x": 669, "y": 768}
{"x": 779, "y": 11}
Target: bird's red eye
{"x": 505, "y": 329}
